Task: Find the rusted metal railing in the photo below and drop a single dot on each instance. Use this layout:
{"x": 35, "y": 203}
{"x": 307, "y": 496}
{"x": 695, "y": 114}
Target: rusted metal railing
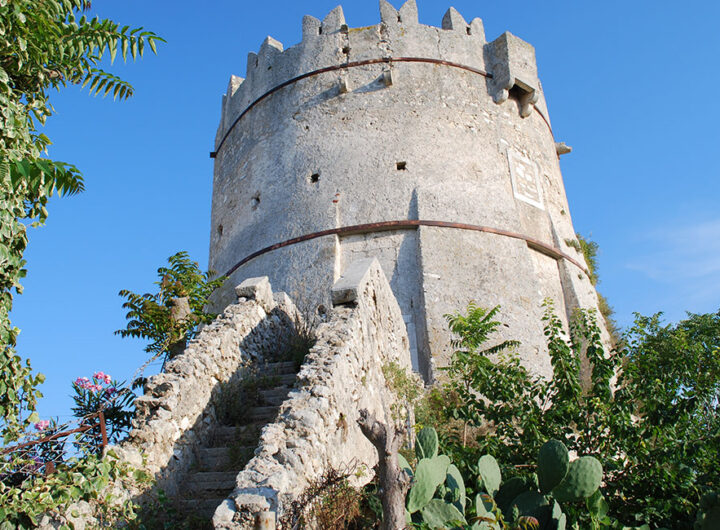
{"x": 46, "y": 453}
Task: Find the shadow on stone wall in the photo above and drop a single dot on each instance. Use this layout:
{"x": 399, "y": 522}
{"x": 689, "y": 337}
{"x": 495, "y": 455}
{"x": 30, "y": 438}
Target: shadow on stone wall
{"x": 177, "y": 413}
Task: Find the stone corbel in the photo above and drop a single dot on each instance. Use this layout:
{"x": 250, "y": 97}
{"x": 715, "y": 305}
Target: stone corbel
{"x": 514, "y": 69}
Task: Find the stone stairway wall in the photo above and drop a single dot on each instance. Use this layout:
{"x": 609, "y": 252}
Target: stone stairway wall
{"x": 176, "y": 426}
{"x": 176, "y": 415}
{"x": 316, "y": 428}
{"x": 232, "y": 444}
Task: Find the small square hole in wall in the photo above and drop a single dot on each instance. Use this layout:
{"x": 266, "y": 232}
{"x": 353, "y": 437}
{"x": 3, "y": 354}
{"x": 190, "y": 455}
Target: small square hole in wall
{"x": 346, "y": 50}
{"x": 469, "y": 32}
{"x": 315, "y": 177}
{"x": 255, "y": 201}
{"x": 219, "y": 230}
{"x": 401, "y": 166}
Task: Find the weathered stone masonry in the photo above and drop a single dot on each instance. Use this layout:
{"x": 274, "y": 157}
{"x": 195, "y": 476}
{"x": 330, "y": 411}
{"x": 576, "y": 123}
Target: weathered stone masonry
{"x": 316, "y": 428}
{"x": 327, "y": 149}
{"x": 176, "y": 413}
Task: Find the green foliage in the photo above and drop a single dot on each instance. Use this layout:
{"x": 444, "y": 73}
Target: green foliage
{"x": 170, "y": 317}
{"x": 428, "y": 475}
{"x": 708, "y": 516}
{"x": 407, "y": 386}
{"x": 471, "y": 365}
{"x": 589, "y": 249}
{"x": 85, "y": 479}
{"x": 43, "y": 45}
{"x": 437, "y": 499}
{"x": 655, "y": 430}
{"x": 582, "y": 480}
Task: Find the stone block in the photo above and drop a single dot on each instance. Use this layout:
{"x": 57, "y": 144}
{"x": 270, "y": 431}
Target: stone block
{"x": 257, "y": 289}
{"x": 350, "y": 285}
{"x": 513, "y": 66}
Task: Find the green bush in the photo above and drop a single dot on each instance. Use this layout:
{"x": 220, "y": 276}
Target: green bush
{"x": 648, "y": 413}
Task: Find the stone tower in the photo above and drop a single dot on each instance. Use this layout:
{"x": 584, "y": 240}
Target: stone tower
{"x": 426, "y": 147}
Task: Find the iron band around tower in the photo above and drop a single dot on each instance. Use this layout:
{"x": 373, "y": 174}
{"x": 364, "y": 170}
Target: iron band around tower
{"x": 354, "y": 64}
{"x": 385, "y": 226}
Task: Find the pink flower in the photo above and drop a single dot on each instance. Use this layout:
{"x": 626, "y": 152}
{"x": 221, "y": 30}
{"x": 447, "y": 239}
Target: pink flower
{"x": 82, "y": 382}
{"x": 110, "y": 391}
{"x": 102, "y": 376}
{"x": 42, "y": 425}
{"x": 95, "y": 388}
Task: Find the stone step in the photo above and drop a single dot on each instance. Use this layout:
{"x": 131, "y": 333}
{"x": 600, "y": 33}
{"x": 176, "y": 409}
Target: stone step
{"x": 224, "y": 458}
{"x": 202, "y": 483}
{"x": 274, "y": 380}
{"x": 264, "y": 413}
{"x": 285, "y": 367}
{"x": 213, "y": 459}
{"x": 200, "y": 508}
{"x": 274, "y": 396}
{"x": 226, "y": 435}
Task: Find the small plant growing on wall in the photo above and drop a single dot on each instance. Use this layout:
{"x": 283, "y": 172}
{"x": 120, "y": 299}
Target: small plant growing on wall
{"x": 171, "y": 316}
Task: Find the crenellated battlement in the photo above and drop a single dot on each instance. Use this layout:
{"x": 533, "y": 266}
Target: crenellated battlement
{"x": 331, "y": 48}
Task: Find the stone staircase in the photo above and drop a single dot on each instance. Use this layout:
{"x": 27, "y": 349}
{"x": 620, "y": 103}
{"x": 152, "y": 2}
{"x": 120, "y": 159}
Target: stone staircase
{"x": 233, "y": 442}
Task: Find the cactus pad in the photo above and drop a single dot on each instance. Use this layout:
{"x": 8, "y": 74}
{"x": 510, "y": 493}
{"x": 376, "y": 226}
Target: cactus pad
{"x": 582, "y": 480}
{"x": 532, "y": 504}
{"x": 438, "y": 514}
{"x": 456, "y": 485}
{"x": 490, "y": 473}
{"x": 429, "y": 474}
{"x": 426, "y": 443}
{"x": 553, "y": 463}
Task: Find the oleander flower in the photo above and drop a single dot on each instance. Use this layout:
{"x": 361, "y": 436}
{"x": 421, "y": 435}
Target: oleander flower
{"x": 102, "y": 376}
{"x": 82, "y": 382}
{"x": 42, "y": 425}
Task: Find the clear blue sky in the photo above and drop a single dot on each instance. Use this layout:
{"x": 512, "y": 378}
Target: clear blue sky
{"x": 630, "y": 85}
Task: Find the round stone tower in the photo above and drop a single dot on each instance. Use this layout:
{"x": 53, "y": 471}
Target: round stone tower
{"x": 428, "y": 148}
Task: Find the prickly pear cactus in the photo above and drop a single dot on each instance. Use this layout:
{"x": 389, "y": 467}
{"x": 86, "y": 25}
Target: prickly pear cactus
{"x": 456, "y": 488}
{"x": 486, "y": 512}
{"x": 439, "y": 514}
{"x": 582, "y": 480}
{"x": 533, "y": 504}
{"x": 553, "y": 463}
{"x": 489, "y": 471}
{"x": 426, "y": 445}
{"x": 429, "y": 474}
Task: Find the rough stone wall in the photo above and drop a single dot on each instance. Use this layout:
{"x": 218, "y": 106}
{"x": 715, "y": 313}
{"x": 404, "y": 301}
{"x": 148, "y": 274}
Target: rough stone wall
{"x": 402, "y": 140}
{"x": 176, "y": 414}
{"x": 317, "y": 426}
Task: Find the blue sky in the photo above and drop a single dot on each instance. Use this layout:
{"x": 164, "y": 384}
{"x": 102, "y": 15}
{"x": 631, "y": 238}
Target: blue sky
{"x": 630, "y": 85}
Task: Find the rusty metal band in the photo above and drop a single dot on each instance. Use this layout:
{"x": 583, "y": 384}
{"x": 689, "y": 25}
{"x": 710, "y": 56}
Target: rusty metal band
{"x": 544, "y": 118}
{"x": 385, "y": 226}
{"x": 383, "y": 60}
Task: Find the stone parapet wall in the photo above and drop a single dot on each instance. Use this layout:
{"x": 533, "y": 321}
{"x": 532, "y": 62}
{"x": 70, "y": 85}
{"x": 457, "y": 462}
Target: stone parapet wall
{"x": 177, "y": 413}
{"x": 331, "y": 42}
{"x": 316, "y": 429}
